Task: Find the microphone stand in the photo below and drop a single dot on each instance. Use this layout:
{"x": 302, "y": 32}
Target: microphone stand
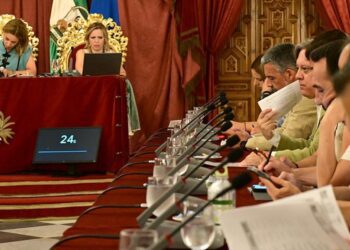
{"x": 182, "y": 158}
{"x": 233, "y": 156}
{"x": 237, "y": 183}
{"x": 143, "y": 217}
{"x": 208, "y": 108}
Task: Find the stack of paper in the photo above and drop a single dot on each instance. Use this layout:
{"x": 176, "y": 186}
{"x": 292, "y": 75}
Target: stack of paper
{"x": 309, "y": 221}
{"x": 283, "y": 100}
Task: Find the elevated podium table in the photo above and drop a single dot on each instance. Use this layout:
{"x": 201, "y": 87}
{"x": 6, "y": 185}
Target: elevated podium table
{"x": 35, "y": 103}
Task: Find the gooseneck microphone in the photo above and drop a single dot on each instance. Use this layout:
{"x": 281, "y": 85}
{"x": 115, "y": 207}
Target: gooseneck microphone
{"x": 220, "y": 101}
{"x": 183, "y": 159}
{"x": 194, "y": 140}
{"x": 237, "y": 182}
{"x": 232, "y": 157}
{"x": 143, "y": 217}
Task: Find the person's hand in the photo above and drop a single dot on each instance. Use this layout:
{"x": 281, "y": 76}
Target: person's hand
{"x": 286, "y": 188}
{"x": 8, "y": 72}
{"x": 255, "y": 130}
{"x": 267, "y": 123}
{"x": 275, "y": 166}
{"x": 243, "y": 135}
{"x": 253, "y": 159}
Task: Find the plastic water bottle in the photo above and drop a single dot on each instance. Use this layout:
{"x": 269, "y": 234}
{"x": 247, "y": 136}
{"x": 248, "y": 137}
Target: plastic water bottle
{"x": 226, "y": 201}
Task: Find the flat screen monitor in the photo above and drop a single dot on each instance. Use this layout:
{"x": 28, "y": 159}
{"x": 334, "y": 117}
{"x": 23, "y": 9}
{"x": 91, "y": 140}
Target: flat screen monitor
{"x": 67, "y": 145}
{"x": 102, "y": 64}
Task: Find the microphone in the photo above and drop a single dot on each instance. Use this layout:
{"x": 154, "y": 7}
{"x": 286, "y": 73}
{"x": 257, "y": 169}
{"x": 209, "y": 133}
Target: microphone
{"x": 142, "y": 218}
{"x": 226, "y": 124}
{"x": 232, "y": 157}
{"x": 223, "y": 128}
{"x": 222, "y": 101}
{"x": 237, "y": 182}
{"x": 204, "y": 112}
{"x": 220, "y": 95}
{"x": 228, "y": 116}
{"x": 194, "y": 140}
{"x": 184, "y": 158}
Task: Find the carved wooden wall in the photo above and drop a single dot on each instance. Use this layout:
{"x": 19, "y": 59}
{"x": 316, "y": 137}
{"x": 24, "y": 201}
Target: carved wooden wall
{"x": 263, "y": 24}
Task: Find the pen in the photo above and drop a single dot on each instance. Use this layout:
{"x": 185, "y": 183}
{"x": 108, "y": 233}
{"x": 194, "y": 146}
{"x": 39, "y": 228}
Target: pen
{"x": 269, "y": 156}
{"x": 259, "y": 152}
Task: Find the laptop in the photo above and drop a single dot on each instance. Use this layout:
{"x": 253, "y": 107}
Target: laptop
{"x": 102, "y": 64}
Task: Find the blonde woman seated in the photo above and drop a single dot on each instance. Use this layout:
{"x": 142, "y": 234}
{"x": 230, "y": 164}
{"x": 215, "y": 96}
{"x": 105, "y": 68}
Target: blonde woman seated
{"x": 96, "y": 40}
{"x": 15, "y": 53}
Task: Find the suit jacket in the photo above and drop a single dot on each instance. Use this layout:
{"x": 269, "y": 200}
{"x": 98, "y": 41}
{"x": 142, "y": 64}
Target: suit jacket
{"x": 299, "y": 123}
{"x": 296, "y": 149}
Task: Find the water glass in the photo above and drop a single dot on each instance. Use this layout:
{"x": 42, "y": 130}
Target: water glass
{"x": 198, "y": 233}
{"x": 161, "y": 168}
{"x": 135, "y": 239}
{"x": 156, "y": 188}
{"x": 55, "y": 67}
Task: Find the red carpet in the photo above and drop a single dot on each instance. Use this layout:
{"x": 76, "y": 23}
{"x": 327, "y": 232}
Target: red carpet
{"x": 40, "y": 196}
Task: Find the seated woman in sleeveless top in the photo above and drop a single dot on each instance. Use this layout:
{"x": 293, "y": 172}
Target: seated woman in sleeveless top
{"x": 96, "y": 40}
{"x": 15, "y": 53}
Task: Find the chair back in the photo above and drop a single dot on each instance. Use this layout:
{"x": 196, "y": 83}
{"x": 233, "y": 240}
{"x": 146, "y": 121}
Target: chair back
{"x": 73, "y": 39}
{"x": 33, "y": 40}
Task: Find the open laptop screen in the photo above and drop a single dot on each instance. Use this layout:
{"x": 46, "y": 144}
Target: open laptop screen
{"x": 102, "y": 64}
{"x": 67, "y": 145}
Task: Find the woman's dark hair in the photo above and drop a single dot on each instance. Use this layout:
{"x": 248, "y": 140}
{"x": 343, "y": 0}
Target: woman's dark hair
{"x": 257, "y": 66}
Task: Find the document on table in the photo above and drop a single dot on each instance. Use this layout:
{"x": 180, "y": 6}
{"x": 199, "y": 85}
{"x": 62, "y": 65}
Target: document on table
{"x": 283, "y": 100}
{"x": 308, "y": 221}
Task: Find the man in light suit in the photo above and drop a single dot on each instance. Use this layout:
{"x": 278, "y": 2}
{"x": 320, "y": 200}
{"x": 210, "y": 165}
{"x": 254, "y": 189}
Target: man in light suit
{"x": 292, "y": 148}
{"x": 280, "y": 70}
{"x": 329, "y": 169}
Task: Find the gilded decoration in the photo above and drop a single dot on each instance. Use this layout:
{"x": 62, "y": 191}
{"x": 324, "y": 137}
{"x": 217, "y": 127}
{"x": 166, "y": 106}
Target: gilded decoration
{"x": 6, "y": 132}
{"x": 74, "y": 36}
{"x": 33, "y": 40}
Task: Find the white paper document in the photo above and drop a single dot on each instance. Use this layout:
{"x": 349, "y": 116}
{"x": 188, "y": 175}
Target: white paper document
{"x": 308, "y": 221}
{"x": 283, "y": 100}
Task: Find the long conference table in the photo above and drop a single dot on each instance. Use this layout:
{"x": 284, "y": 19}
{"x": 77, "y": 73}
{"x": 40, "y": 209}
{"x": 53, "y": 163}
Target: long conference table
{"x": 119, "y": 205}
{"x": 34, "y": 103}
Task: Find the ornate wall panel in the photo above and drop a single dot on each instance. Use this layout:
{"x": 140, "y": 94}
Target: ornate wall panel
{"x": 263, "y": 24}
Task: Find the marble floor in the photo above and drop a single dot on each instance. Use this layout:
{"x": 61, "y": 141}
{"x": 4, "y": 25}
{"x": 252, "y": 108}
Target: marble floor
{"x": 32, "y": 235}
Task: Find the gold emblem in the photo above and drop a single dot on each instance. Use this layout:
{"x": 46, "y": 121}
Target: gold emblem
{"x": 5, "y": 132}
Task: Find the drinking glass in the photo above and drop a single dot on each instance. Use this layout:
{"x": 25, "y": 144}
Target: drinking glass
{"x": 156, "y": 188}
{"x": 198, "y": 233}
{"x": 55, "y": 67}
{"x": 137, "y": 239}
{"x": 161, "y": 168}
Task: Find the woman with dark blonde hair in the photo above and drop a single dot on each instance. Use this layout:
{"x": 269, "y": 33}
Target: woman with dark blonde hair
{"x": 15, "y": 53}
{"x": 96, "y": 41}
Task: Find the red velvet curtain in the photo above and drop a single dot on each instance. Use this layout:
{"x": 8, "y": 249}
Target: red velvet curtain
{"x": 37, "y": 14}
{"x": 336, "y": 13}
{"x": 209, "y": 23}
{"x": 216, "y": 21}
{"x": 153, "y": 64}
